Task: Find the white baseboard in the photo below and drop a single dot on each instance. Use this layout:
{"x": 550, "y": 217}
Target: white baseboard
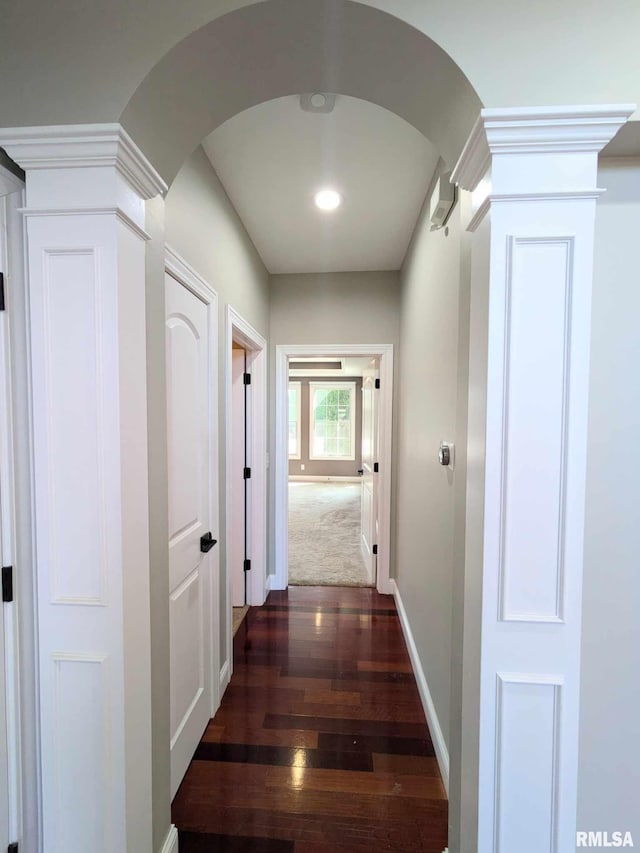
{"x": 267, "y": 586}
{"x": 317, "y": 479}
{"x": 225, "y": 677}
{"x": 171, "y": 841}
{"x": 442, "y": 753}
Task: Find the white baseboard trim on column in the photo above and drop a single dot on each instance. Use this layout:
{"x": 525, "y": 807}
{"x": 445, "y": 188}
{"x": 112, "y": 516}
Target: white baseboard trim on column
{"x": 442, "y": 753}
{"x": 267, "y": 588}
{"x": 171, "y": 841}
{"x": 224, "y": 678}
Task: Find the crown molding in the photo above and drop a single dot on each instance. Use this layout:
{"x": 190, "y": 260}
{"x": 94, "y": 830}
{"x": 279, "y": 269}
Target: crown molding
{"x": 475, "y": 159}
{"x": 83, "y": 146}
{"x": 31, "y": 212}
{"x": 539, "y": 130}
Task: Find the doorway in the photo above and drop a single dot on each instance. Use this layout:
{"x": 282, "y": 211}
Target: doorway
{"x": 332, "y": 437}
{"x": 246, "y": 468}
{"x": 191, "y": 334}
{"x": 333, "y": 465}
{"x": 240, "y": 481}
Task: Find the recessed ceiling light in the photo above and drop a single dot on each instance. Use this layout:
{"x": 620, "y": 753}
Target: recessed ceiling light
{"x": 328, "y": 199}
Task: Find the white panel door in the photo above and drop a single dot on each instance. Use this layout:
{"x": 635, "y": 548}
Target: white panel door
{"x": 369, "y": 526}
{"x": 190, "y": 430}
{"x": 238, "y": 483}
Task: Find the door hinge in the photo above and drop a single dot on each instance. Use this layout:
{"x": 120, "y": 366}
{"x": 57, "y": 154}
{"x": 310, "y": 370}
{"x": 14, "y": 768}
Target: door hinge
{"x": 2, "y": 305}
{"x": 247, "y": 473}
{"x": 247, "y": 379}
{"x": 247, "y": 565}
{"x": 7, "y": 583}
{"x": 376, "y": 468}
{"x": 378, "y": 384}
{"x": 374, "y": 550}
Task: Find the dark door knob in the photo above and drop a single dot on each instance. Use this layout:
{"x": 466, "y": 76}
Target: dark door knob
{"x": 207, "y": 542}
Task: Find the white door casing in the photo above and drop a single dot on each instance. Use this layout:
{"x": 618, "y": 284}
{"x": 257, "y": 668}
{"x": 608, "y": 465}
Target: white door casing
{"x": 384, "y": 354}
{"x": 369, "y": 508}
{"x": 18, "y": 527}
{"x": 533, "y": 173}
{"x": 191, "y": 329}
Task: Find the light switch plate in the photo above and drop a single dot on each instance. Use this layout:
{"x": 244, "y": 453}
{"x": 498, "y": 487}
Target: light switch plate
{"x": 452, "y": 453}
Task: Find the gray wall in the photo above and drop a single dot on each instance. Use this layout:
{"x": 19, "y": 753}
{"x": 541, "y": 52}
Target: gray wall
{"x": 609, "y": 731}
{"x": 325, "y": 467}
{"x": 430, "y": 504}
{"x": 158, "y": 522}
{"x": 199, "y": 222}
{"x": 334, "y": 308}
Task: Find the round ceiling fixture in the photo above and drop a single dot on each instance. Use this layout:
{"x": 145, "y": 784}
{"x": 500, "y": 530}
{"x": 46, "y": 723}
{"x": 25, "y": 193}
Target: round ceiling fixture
{"x": 328, "y": 199}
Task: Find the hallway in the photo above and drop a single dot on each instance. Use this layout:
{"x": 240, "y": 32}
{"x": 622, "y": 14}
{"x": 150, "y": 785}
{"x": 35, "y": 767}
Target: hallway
{"x": 320, "y": 743}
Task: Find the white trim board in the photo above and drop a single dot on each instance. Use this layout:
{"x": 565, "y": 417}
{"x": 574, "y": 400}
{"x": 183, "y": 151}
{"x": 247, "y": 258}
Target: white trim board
{"x": 442, "y": 753}
{"x": 300, "y": 478}
{"x": 383, "y": 352}
{"x": 171, "y": 841}
{"x": 238, "y": 330}
{"x": 11, "y": 732}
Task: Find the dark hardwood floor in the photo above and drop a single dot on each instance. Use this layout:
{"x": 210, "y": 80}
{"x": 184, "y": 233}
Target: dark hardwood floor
{"x": 320, "y": 743}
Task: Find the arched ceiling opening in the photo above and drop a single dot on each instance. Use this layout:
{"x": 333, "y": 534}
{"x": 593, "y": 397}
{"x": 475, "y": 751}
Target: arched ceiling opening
{"x": 82, "y": 61}
{"x": 284, "y": 47}
{"x": 274, "y": 157}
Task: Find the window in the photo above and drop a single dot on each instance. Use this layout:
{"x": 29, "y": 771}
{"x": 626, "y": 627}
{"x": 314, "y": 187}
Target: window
{"x": 294, "y": 420}
{"x": 333, "y": 420}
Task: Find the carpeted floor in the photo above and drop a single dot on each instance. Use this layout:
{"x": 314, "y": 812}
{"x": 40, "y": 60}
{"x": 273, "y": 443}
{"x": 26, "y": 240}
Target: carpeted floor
{"x": 324, "y": 535}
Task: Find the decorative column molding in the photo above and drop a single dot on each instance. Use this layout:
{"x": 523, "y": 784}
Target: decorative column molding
{"x": 532, "y": 173}
{"x": 86, "y": 188}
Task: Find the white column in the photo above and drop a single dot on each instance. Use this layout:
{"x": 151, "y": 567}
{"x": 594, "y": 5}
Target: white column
{"x": 84, "y": 218}
{"x": 533, "y": 174}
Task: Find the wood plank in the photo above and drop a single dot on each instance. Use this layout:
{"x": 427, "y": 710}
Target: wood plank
{"x": 353, "y": 782}
{"x": 406, "y": 765}
{"x": 331, "y": 697}
{"x": 383, "y": 728}
{"x": 262, "y": 737}
{"x": 244, "y": 753}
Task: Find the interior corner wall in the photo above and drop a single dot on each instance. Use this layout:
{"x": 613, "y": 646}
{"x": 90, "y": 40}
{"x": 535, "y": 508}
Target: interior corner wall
{"x": 430, "y": 499}
{"x": 609, "y": 741}
{"x": 334, "y": 308}
{"x": 158, "y": 522}
{"x": 325, "y": 467}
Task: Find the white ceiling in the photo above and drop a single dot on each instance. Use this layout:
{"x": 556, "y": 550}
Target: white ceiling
{"x": 273, "y": 157}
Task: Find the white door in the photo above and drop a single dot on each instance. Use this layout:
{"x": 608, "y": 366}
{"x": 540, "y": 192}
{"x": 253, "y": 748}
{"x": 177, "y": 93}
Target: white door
{"x": 369, "y": 527}
{"x": 238, "y": 483}
{"x": 190, "y": 421}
